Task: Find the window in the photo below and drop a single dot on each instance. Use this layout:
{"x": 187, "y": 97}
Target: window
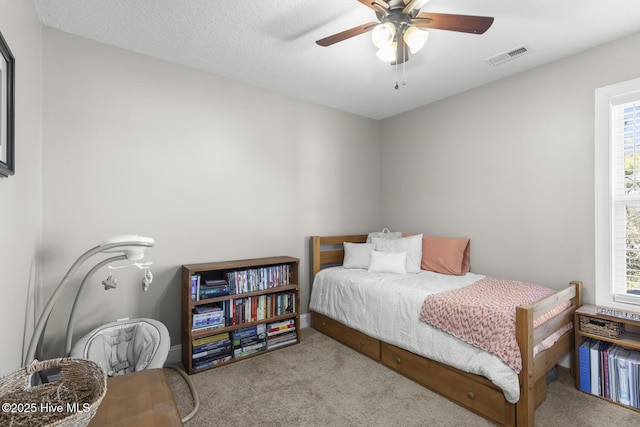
{"x": 617, "y": 197}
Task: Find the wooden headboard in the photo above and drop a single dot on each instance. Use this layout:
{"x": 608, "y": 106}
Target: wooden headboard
{"x": 328, "y": 249}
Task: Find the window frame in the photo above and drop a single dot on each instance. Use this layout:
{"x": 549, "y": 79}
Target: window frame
{"x": 606, "y": 98}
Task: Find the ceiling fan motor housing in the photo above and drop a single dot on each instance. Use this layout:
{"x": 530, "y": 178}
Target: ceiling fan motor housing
{"x": 396, "y": 17}
{"x": 395, "y": 4}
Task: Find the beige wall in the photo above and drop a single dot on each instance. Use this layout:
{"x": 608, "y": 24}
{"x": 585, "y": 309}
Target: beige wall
{"x": 21, "y": 194}
{"x": 210, "y": 168}
{"x": 509, "y": 165}
{"x": 137, "y": 145}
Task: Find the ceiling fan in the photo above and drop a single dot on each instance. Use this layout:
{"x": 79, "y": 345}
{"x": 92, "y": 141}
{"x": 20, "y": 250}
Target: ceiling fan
{"x": 400, "y": 29}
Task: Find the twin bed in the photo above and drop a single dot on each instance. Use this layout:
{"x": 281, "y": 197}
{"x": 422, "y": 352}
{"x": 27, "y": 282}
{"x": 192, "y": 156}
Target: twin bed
{"x": 385, "y": 316}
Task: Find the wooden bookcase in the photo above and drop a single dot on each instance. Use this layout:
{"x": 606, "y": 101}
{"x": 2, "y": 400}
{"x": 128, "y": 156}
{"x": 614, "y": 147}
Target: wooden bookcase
{"x": 604, "y": 325}
{"x": 263, "y": 295}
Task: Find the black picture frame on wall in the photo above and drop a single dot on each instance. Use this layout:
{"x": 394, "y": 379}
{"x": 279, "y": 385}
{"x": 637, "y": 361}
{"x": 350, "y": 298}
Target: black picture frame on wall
{"x": 7, "y": 110}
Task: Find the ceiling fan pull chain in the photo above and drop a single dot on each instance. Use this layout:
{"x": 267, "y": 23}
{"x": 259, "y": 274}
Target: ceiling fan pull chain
{"x": 404, "y": 71}
{"x": 396, "y": 86}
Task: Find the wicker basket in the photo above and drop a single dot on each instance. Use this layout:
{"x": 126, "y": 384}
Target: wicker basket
{"x": 72, "y": 400}
{"x": 601, "y": 327}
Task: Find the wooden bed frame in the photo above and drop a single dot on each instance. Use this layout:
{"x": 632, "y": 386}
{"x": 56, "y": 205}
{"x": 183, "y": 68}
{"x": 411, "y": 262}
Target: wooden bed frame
{"x": 473, "y": 392}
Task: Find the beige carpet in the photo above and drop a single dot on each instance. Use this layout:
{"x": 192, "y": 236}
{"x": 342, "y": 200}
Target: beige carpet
{"x": 321, "y": 382}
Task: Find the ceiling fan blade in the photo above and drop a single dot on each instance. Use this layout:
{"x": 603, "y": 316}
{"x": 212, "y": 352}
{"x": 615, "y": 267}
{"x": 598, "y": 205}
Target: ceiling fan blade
{"x": 461, "y": 23}
{"x": 347, "y": 34}
{"x": 369, "y": 3}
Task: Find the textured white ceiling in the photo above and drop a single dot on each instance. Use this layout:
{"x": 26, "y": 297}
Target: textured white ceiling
{"x": 271, "y": 43}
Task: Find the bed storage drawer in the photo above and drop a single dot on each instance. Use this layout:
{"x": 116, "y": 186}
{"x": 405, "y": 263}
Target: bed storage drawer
{"x": 339, "y": 332}
{"x": 484, "y": 398}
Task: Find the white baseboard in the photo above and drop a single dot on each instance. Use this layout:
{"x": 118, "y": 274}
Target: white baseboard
{"x": 305, "y": 320}
{"x": 175, "y": 352}
{"x": 565, "y": 362}
{"x": 175, "y": 355}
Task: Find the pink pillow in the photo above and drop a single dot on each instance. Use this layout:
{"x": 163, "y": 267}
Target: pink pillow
{"x": 446, "y": 255}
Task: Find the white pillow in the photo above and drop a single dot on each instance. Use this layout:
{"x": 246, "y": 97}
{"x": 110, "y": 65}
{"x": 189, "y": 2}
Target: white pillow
{"x": 357, "y": 255}
{"x": 388, "y": 262}
{"x": 412, "y": 245}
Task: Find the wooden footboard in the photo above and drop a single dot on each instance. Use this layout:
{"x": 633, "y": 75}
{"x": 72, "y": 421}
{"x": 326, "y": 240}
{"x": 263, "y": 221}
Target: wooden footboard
{"x": 534, "y": 368}
{"x": 471, "y": 391}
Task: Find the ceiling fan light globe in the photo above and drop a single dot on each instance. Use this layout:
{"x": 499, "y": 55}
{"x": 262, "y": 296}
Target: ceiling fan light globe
{"x": 383, "y": 34}
{"x": 415, "y": 38}
{"x": 387, "y": 53}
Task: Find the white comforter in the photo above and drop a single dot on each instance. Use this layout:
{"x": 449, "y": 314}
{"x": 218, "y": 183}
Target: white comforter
{"x": 387, "y": 307}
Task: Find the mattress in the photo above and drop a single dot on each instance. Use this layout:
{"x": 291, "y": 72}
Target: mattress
{"x": 387, "y": 307}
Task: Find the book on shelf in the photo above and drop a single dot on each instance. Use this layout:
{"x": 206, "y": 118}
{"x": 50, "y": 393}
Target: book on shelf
{"x": 595, "y": 372}
{"x": 612, "y": 355}
{"x": 622, "y": 365}
{"x": 281, "y": 333}
{"x": 285, "y": 303}
{"x": 584, "y": 365}
{"x": 195, "y": 286}
{"x": 220, "y": 343}
{"x": 258, "y": 279}
{"x": 208, "y": 316}
{"x": 280, "y": 327}
{"x": 259, "y": 307}
{"x": 604, "y": 369}
{"x": 249, "y": 340}
{"x": 610, "y": 371}
{"x": 212, "y": 288}
{"x": 223, "y": 349}
{"x": 228, "y": 312}
{"x": 209, "y": 339}
{"x": 248, "y": 335}
{"x": 212, "y": 293}
{"x": 208, "y": 288}
{"x": 208, "y": 362}
{"x": 210, "y": 283}
{"x": 272, "y": 345}
{"x": 208, "y": 327}
{"x": 634, "y": 361}
{"x": 209, "y": 308}
{"x": 211, "y": 350}
{"x": 289, "y": 337}
{"x": 280, "y": 304}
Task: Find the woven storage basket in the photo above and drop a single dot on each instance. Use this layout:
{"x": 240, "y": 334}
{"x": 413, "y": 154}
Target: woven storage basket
{"x": 72, "y": 400}
{"x": 601, "y": 327}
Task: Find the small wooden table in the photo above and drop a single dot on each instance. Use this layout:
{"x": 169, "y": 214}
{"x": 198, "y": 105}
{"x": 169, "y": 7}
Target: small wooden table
{"x": 139, "y": 399}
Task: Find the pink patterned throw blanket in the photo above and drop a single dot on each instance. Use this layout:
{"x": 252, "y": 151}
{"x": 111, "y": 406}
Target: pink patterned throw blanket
{"x": 484, "y": 314}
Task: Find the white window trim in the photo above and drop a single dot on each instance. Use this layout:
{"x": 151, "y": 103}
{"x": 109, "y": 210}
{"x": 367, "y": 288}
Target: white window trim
{"x": 604, "y": 99}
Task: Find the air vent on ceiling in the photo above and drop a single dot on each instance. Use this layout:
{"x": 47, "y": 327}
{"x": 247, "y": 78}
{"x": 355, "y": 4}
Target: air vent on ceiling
{"x": 501, "y": 58}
